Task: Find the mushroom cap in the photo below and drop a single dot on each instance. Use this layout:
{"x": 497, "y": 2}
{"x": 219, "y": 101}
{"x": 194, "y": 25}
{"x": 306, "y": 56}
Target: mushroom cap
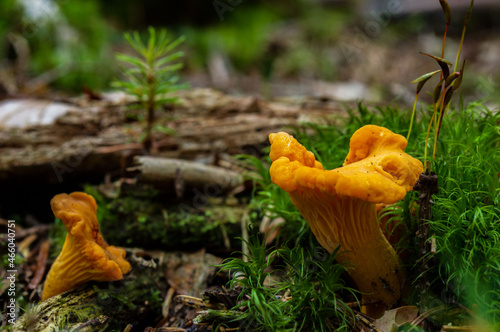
{"x": 85, "y": 255}
{"x": 376, "y": 169}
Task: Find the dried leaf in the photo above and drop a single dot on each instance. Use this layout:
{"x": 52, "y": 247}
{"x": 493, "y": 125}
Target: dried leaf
{"x": 189, "y": 272}
{"x": 392, "y": 319}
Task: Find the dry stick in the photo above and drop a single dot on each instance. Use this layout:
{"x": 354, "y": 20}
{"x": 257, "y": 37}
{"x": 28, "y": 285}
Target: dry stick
{"x": 128, "y": 328}
{"x": 427, "y": 185}
{"x": 150, "y": 119}
{"x": 22, "y": 233}
{"x": 168, "y": 300}
{"x": 225, "y": 238}
{"x": 41, "y": 265}
{"x": 244, "y": 235}
{"x": 357, "y": 304}
{"x": 162, "y": 172}
{"x": 366, "y": 323}
{"x": 167, "y": 329}
{"x": 458, "y": 328}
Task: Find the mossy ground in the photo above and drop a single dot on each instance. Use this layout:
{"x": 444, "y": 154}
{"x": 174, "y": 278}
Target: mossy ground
{"x": 144, "y": 217}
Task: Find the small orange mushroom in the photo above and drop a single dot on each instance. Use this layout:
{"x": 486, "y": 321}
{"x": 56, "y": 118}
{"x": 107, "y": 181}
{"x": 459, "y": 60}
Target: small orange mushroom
{"x": 340, "y": 205}
{"x": 85, "y": 255}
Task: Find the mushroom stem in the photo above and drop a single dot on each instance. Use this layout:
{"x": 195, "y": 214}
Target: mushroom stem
{"x": 353, "y": 223}
{"x": 77, "y": 271}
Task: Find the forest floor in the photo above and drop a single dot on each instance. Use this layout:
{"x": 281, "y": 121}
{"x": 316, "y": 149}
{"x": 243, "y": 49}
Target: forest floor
{"x": 52, "y": 143}
{"x": 52, "y": 146}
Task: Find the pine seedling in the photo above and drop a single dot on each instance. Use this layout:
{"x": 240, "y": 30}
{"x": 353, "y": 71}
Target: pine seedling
{"x": 152, "y": 75}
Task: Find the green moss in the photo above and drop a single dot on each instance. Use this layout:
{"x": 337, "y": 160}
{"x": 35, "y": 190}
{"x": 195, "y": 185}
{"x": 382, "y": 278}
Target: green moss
{"x": 144, "y": 218}
{"x": 103, "y": 306}
{"x": 311, "y": 278}
{"x": 60, "y": 312}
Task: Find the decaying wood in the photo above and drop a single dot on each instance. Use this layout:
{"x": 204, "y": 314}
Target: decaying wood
{"x": 78, "y": 309}
{"x": 165, "y": 172}
{"x": 97, "y": 137}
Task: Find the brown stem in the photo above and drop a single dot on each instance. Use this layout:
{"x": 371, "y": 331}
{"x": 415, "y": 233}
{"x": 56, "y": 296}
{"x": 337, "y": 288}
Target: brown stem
{"x": 442, "y": 109}
{"x": 427, "y": 185}
{"x": 149, "y": 128}
{"x": 150, "y": 119}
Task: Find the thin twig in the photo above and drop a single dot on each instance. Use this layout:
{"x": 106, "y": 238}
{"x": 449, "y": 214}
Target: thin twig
{"x": 168, "y": 300}
{"x": 244, "y": 235}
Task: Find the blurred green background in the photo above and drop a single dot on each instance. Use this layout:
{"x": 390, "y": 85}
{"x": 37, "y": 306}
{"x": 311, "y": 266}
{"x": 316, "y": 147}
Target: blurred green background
{"x": 334, "y": 49}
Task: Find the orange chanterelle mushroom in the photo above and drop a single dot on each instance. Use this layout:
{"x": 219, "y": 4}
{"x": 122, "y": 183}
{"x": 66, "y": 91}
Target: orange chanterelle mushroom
{"x": 340, "y": 205}
{"x": 85, "y": 255}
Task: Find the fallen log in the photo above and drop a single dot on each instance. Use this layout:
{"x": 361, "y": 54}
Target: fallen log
{"x": 97, "y": 138}
{"x": 178, "y": 174}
